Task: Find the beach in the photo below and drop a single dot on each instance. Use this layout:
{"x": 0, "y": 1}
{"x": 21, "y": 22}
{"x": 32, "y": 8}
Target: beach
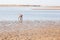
{"x": 30, "y": 30}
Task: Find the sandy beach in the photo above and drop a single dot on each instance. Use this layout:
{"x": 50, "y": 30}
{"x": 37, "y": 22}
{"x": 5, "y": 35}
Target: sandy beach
{"x": 30, "y": 30}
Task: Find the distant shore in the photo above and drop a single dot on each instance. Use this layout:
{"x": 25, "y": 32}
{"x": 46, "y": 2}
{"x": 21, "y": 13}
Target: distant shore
{"x": 37, "y": 7}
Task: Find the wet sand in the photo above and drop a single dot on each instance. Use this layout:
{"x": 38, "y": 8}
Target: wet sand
{"x": 30, "y": 30}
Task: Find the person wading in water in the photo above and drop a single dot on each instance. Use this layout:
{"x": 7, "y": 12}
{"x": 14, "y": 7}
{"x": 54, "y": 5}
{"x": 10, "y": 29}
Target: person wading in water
{"x": 20, "y": 18}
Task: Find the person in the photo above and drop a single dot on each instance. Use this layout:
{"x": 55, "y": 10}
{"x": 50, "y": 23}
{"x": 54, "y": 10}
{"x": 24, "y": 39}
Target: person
{"x": 20, "y": 18}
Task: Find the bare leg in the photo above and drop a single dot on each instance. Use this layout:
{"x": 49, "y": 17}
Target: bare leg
{"x": 21, "y": 19}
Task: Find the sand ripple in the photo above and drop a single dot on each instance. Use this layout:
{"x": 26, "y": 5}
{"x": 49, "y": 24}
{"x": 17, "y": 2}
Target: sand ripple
{"x": 30, "y": 30}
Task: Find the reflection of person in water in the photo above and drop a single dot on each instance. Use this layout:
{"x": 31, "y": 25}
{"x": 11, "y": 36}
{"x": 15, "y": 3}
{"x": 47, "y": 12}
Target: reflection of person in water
{"x": 20, "y": 18}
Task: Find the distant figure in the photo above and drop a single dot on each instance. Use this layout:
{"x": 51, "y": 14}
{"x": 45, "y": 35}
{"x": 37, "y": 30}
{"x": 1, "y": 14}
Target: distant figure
{"x": 20, "y": 18}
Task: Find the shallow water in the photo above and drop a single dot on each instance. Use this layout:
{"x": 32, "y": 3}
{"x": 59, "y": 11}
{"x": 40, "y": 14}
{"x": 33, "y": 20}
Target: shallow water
{"x": 12, "y": 13}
